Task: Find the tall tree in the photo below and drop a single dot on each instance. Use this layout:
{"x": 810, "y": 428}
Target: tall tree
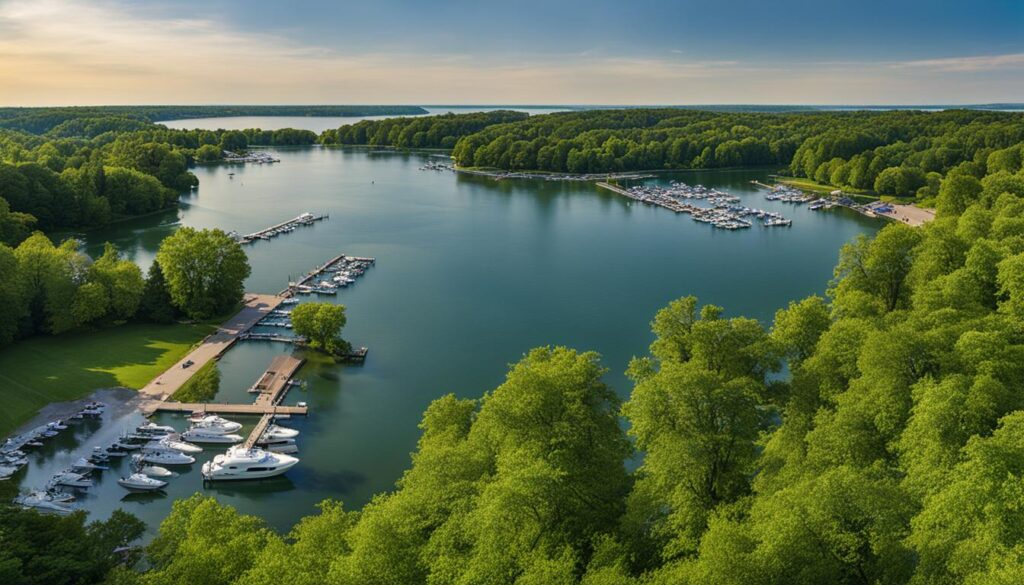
{"x": 204, "y": 269}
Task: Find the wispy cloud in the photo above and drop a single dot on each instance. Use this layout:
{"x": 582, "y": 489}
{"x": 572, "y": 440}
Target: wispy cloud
{"x": 968, "y": 64}
{"x": 69, "y": 52}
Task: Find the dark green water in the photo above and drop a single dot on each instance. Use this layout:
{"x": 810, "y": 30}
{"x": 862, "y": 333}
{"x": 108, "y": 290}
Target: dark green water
{"x": 471, "y": 273}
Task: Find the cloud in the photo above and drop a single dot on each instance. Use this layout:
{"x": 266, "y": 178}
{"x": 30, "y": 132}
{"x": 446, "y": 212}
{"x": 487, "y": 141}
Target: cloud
{"x": 968, "y": 64}
{"x": 67, "y": 52}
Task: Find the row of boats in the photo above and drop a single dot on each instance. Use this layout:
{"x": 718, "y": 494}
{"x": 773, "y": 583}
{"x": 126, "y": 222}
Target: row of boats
{"x": 339, "y": 274}
{"x": 12, "y": 452}
{"x": 303, "y": 220}
{"x": 154, "y": 447}
{"x": 253, "y": 156}
{"x": 723, "y": 210}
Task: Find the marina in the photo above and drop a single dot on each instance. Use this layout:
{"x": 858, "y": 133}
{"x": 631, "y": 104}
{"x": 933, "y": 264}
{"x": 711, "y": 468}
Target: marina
{"x": 253, "y": 156}
{"x": 338, "y": 272}
{"x": 285, "y": 227}
{"x": 725, "y": 211}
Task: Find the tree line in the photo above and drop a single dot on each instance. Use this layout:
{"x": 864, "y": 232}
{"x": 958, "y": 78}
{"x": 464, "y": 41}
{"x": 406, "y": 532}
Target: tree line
{"x": 53, "y": 289}
{"x": 441, "y": 131}
{"x": 892, "y": 453}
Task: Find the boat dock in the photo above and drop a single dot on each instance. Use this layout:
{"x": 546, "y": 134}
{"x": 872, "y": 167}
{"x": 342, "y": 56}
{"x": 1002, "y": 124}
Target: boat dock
{"x": 284, "y": 227}
{"x": 272, "y": 387}
{"x": 348, "y": 267}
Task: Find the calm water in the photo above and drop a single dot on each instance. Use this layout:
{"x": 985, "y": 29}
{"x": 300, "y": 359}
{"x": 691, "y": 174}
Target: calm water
{"x": 471, "y": 273}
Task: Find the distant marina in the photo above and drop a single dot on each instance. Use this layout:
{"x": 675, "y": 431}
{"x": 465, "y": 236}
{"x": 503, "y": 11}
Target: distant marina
{"x": 725, "y": 211}
{"x": 285, "y": 227}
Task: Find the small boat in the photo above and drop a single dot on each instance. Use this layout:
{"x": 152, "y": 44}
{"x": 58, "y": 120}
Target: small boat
{"x": 57, "y": 425}
{"x": 49, "y": 433}
{"x": 279, "y": 432}
{"x": 114, "y": 451}
{"x": 155, "y": 428}
{"x": 42, "y": 502}
{"x": 215, "y": 425}
{"x": 91, "y": 412}
{"x": 202, "y": 436}
{"x": 167, "y": 458}
{"x": 155, "y": 471}
{"x": 126, "y": 446}
{"x": 279, "y": 445}
{"x": 6, "y": 471}
{"x": 32, "y": 444}
{"x": 174, "y": 444}
{"x": 141, "y": 483}
{"x": 72, "y": 479}
{"x": 84, "y": 464}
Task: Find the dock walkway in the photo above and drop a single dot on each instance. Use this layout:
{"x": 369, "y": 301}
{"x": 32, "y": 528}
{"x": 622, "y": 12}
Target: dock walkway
{"x": 272, "y": 387}
{"x": 256, "y": 308}
{"x": 272, "y": 231}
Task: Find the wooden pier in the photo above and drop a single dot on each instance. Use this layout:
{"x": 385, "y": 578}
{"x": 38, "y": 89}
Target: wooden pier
{"x": 267, "y": 233}
{"x": 319, "y": 270}
{"x": 272, "y": 387}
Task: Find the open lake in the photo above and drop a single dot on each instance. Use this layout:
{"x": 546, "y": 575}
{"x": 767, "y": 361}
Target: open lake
{"x": 471, "y": 273}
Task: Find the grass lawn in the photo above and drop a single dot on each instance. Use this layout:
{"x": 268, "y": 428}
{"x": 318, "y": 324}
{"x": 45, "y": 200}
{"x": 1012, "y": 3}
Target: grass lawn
{"x": 47, "y": 369}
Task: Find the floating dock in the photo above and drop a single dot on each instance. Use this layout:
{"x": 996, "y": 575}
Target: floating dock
{"x": 285, "y": 226}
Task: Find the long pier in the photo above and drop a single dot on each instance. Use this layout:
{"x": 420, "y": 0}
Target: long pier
{"x": 272, "y": 387}
{"x": 272, "y": 231}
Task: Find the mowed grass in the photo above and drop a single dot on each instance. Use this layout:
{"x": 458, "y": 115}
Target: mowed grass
{"x": 45, "y": 369}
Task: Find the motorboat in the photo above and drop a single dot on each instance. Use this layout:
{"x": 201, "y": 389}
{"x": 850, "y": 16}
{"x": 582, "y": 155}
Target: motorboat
{"x": 203, "y": 436}
{"x": 167, "y": 457}
{"x": 84, "y": 464}
{"x": 153, "y": 428}
{"x": 139, "y": 482}
{"x": 240, "y": 463}
{"x": 279, "y": 432}
{"x": 72, "y": 479}
{"x": 91, "y": 412}
{"x": 170, "y": 443}
{"x": 126, "y": 446}
{"x": 57, "y": 425}
{"x": 114, "y": 451}
{"x": 42, "y": 502}
{"x": 6, "y": 471}
{"x": 155, "y": 471}
{"x": 279, "y": 445}
{"x": 216, "y": 425}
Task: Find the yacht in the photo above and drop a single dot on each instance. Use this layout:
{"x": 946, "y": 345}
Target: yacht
{"x": 204, "y": 436}
{"x": 71, "y": 479}
{"x": 154, "y": 428}
{"x": 170, "y": 443}
{"x": 168, "y": 457}
{"x": 241, "y": 463}
{"x": 43, "y": 502}
{"x": 84, "y": 464}
{"x": 278, "y": 445}
{"x": 155, "y": 471}
{"x": 216, "y": 425}
{"x": 141, "y": 483}
{"x": 279, "y": 432}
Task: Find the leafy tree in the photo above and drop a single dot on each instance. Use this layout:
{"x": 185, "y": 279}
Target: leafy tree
{"x": 321, "y": 323}
{"x": 204, "y": 271}
{"x": 156, "y": 304}
{"x": 121, "y": 281}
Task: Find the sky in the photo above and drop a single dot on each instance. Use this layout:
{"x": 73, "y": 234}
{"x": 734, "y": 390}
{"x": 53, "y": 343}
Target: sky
{"x": 550, "y": 52}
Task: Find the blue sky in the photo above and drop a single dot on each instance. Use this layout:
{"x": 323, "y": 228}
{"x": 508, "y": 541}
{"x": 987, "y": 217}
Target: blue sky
{"x": 571, "y": 52}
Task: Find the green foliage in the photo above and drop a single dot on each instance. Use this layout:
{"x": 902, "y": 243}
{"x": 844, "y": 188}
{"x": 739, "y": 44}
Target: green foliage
{"x": 321, "y": 324}
{"x": 38, "y": 549}
{"x": 430, "y": 132}
{"x": 204, "y": 271}
{"x": 156, "y": 305}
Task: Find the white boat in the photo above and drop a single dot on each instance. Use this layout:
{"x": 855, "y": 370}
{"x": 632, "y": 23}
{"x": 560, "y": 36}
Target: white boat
{"x": 240, "y": 463}
{"x": 72, "y": 479}
{"x": 216, "y": 425}
{"x": 169, "y": 443}
{"x": 57, "y": 425}
{"x": 202, "y": 436}
{"x": 6, "y": 471}
{"x": 141, "y": 483}
{"x": 43, "y": 502}
{"x": 155, "y": 471}
{"x": 84, "y": 464}
{"x": 279, "y": 445}
{"x": 279, "y": 432}
{"x": 167, "y": 458}
{"x": 155, "y": 428}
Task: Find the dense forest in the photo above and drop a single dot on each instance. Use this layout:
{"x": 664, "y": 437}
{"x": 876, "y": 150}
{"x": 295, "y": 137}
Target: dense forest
{"x": 85, "y": 171}
{"x": 892, "y": 453}
{"x": 441, "y": 131}
{"x": 39, "y": 120}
